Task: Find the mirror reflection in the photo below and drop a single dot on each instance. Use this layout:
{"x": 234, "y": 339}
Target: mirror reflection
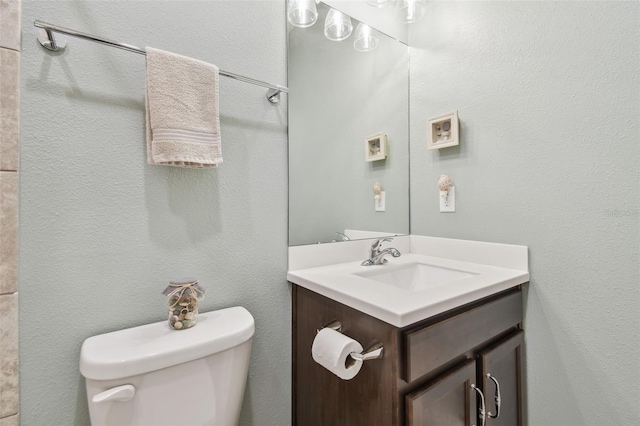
{"x": 348, "y": 131}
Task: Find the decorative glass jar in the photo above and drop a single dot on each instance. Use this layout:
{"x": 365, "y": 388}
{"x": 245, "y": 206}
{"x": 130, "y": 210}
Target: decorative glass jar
{"x": 182, "y": 301}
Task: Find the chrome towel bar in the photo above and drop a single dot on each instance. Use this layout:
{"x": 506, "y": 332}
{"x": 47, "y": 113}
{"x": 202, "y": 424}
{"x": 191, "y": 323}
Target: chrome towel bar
{"x": 49, "y": 42}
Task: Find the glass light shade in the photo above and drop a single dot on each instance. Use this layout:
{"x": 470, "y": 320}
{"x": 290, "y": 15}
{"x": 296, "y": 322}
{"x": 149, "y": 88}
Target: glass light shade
{"x": 379, "y": 3}
{"x": 366, "y": 39}
{"x": 337, "y": 26}
{"x": 409, "y": 11}
{"x": 302, "y": 13}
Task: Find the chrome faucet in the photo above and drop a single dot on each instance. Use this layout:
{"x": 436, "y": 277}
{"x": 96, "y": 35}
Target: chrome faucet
{"x": 376, "y": 254}
{"x": 343, "y": 237}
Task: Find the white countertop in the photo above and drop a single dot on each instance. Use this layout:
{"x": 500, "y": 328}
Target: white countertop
{"x": 495, "y": 267}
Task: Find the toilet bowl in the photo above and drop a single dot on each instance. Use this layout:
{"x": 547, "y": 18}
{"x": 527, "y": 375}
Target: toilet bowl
{"x": 152, "y": 375}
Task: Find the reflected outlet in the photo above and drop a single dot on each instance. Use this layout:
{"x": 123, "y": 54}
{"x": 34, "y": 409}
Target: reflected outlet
{"x": 380, "y": 202}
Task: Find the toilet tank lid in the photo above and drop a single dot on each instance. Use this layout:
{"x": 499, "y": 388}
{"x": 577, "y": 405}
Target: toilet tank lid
{"x": 150, "y": 347}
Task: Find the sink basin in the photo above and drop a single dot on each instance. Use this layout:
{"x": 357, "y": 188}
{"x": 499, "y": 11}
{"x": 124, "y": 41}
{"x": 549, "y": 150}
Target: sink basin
{"x": 414, "y": 286}
{"x": 415, "y": 276}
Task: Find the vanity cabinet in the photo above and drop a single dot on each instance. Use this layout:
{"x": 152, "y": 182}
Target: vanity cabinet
{"x": 503, "y": 361}
{"x": 451, "y": 400}
{"x": 446, "y": 401}
{"x": 427, "y": 371}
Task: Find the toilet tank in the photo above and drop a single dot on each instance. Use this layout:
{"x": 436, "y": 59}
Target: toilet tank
{"x": 153, "y": 375}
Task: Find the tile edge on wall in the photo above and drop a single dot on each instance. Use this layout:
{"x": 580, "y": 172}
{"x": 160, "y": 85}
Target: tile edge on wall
{"x": 10, "y": 421}
{"x": 9, "y": 193}
{"x": 10, "y": 24}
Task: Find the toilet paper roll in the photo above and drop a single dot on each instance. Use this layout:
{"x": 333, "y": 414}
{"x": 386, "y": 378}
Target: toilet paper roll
{"x": 331, "y": 349}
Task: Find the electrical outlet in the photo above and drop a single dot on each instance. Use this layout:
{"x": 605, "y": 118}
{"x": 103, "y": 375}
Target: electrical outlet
{"x": 380, "y": 202}
{"x": 448, "y": 200}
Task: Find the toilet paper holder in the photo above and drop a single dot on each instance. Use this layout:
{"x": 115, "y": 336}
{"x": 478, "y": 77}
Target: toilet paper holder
{"x": 374, "y": 351}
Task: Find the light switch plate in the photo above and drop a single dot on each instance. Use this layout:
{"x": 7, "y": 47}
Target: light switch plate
{"x": 448, "y": 202}
{"x": 380, "y": 202}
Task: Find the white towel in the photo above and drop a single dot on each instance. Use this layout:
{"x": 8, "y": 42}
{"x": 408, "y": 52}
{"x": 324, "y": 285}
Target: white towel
{"x": 183, "y": 126}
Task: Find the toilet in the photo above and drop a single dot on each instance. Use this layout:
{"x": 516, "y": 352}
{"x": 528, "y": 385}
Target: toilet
{"x": 153, "y": 375}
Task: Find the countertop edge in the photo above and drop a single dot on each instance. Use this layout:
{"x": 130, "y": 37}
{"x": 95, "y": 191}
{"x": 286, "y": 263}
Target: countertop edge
{"x": 409, "y": 318}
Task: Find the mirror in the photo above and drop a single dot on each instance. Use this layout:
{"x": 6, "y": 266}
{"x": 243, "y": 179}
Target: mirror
{"x": 348, "y": 130}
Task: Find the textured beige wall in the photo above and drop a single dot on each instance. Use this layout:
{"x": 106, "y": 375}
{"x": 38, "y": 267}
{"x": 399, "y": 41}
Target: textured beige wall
{"x": 9, "y": 137}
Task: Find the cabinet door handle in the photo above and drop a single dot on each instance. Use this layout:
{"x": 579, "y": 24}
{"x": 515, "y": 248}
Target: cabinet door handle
{"x": 481, "y": 412}
{"x": 496, "y": 397}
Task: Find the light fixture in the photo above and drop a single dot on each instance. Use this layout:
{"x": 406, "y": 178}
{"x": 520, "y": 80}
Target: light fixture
{"x": 409, "y": 11}
{"x": 365, "y": 38}
{"x": 302, "y": 13}
{"x": 337, "y": 26}
{"x": 379, "y": 3}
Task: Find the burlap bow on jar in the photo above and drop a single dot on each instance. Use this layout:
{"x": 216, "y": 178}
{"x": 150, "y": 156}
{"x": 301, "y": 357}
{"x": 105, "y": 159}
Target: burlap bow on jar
{"x": 182, "y": 301}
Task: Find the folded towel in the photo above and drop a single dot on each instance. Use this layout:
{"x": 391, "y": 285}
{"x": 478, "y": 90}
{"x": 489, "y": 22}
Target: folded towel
{"x": 183, "y": 126}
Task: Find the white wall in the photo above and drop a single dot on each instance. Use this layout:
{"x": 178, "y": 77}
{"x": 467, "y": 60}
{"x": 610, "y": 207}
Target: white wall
{"x": 549, "y": 98}
{"x": 102, "y": 232}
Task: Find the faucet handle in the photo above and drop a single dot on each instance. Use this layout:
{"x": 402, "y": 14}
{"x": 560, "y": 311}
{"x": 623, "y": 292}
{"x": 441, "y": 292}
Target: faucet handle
{"x": 376, "y": 244}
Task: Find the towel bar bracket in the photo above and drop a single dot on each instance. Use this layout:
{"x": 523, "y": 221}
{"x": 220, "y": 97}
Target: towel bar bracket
{"x": 273, "y": 95}
{"x": 49, "y": 42}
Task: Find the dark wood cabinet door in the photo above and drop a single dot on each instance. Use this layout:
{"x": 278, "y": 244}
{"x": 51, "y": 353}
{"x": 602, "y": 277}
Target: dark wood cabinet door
{"x": 447, "y": 401}
{"x": 322, "y": 398}
{"x": 503, "y": 361}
